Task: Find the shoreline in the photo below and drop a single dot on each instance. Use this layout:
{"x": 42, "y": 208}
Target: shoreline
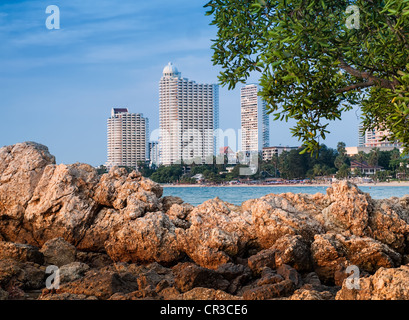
{"x": 327, "y": 185}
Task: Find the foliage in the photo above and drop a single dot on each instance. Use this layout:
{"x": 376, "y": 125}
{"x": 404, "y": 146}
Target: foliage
{"x": 167, "y": 174}
{"x": 313, "y": 68}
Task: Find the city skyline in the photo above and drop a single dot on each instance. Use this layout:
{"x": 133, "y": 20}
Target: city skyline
{"x": 59, "y": 85}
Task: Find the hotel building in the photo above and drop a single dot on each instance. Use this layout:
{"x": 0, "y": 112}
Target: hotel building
{"x": 188, "y": 116}
{"x": 127, "y": 138}
{"x": 255, "y": 125}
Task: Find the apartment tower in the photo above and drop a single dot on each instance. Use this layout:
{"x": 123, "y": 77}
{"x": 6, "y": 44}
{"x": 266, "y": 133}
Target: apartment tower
{"x": 127, "y": 138}
{"x": 375, "y": 139}
{"x": 255, "y": 125}
{"x": 188, "y": 116}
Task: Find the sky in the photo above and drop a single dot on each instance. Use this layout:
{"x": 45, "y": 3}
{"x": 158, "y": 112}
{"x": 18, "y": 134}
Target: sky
{"x": 57, "y": 87}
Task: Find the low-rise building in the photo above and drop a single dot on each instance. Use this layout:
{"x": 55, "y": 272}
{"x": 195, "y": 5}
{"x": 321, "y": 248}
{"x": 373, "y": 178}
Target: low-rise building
{"x": 272, "y": 152}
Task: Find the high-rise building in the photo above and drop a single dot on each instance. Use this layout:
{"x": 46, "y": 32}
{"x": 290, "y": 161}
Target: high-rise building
{"x": 255, "y": 125}
{"x": 361, "y": 136}
{"x": 127, "y": 138}
{"x": 375, "y": 138}
{"x": 154, "y": 153}
{"x": 188, "y": 116}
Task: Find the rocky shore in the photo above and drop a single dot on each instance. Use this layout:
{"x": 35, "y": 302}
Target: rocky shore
{"x": 115, "y": 237}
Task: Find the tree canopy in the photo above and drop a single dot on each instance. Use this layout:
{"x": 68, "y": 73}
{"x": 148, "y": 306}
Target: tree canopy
{"x": 313, "y": 66}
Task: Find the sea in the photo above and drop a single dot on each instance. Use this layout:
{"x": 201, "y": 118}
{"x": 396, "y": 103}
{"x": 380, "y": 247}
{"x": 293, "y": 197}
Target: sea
{"x": 238, "y": 194}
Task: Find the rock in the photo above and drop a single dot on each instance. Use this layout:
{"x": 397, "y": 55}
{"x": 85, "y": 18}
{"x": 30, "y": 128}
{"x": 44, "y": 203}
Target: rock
{"x": 170, "y": 293}
{"x": 94, "y": 259}
{"x": 349, "y": 209}
{"x": 73, "y": 271}
{"x": 207, "y": 294}
{"x": 264, "y": 258}
{"x": 21, "y": 168}
{"x": 105, "y": 222}
{"x": 144, "y": 240}
{"x": 188, "y": 276}
{"x": 270, "y": 291}
{"x": 294, "y": 251}
{"x": 20, "y": 252}
{"x": 4, "y": 295}
{"x": 275, "y": 216}
{"x": 268, "y": 276}
{"x": 58, "y": 252}
{"x": 385, "y": 284}
{"x": 145, "y": 294}
{"x": 65, "y": 296}
{"x": 333, "y": 253}
{"x": 169, "y": 201}
{"x": 312, "y": 279}
{"x": 389, "y": 222}
{"x": 26, "y": 276}
{"x": 303, "y": 294}
{"x": 231, "y": 271}
{"x": 62, "y": 204}
{"x": 289, "y": 273}
{"x": 178, "y": 213}
{"x": 236, "y": 274}
{"x": 100, "y": 284}
{"x": 130, "y": 194}
{"x": 218, "y": 232}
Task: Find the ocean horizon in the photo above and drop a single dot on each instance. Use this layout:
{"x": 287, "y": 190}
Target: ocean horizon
{"x": 238, "y": 194}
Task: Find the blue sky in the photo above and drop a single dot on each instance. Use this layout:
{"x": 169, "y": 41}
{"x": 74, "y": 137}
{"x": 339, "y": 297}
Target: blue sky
{"x": 57, "y": 87}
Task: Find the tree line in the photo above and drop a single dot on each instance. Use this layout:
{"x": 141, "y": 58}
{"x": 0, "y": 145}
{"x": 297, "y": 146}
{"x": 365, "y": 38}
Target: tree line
{"x": 289, "y": 165}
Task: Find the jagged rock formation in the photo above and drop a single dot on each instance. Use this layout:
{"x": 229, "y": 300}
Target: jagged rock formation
{"x": 115, "y": 237}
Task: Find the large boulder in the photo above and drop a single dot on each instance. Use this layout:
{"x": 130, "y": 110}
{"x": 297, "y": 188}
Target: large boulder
{"x": 349, "y": 209}
{"x": 274, "y": 216}
{"x": 389, "y": 222}
{"x": 131, "y": 194}
{"x": 21, "y": 168}
{"x": 58, "y": 252}
{"x": 332, "y": 253}
{"x": 218, "y": 231}
{"x": 147, "y": 239}
{"x": 62, "y": 204}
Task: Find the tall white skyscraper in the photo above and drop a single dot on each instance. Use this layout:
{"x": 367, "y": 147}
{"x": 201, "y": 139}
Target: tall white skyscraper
{"x": 255, "y": 124}
{"x": 127, "y": 138}
{"x": 188, "y": 116}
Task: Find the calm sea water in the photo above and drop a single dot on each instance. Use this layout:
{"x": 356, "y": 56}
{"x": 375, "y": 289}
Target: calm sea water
{"x": 237, "y": 195}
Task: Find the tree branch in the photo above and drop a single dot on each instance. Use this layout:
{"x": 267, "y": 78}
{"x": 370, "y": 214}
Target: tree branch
{"x": 365, "y": 84}
{"x": 372, "y": 80}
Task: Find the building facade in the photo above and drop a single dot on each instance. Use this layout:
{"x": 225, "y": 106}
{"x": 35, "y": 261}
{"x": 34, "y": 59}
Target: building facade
{"x": 270, "y": 153}
{"x": 255, "y": 125}
{"x": 154, "y": 153}
{"x": 375, "y": 139}
{"x": 127, "y": 138}
{"x": 188, "y": 116}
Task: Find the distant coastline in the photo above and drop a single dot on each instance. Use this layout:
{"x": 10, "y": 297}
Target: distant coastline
{"x": 379, "y": 184}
